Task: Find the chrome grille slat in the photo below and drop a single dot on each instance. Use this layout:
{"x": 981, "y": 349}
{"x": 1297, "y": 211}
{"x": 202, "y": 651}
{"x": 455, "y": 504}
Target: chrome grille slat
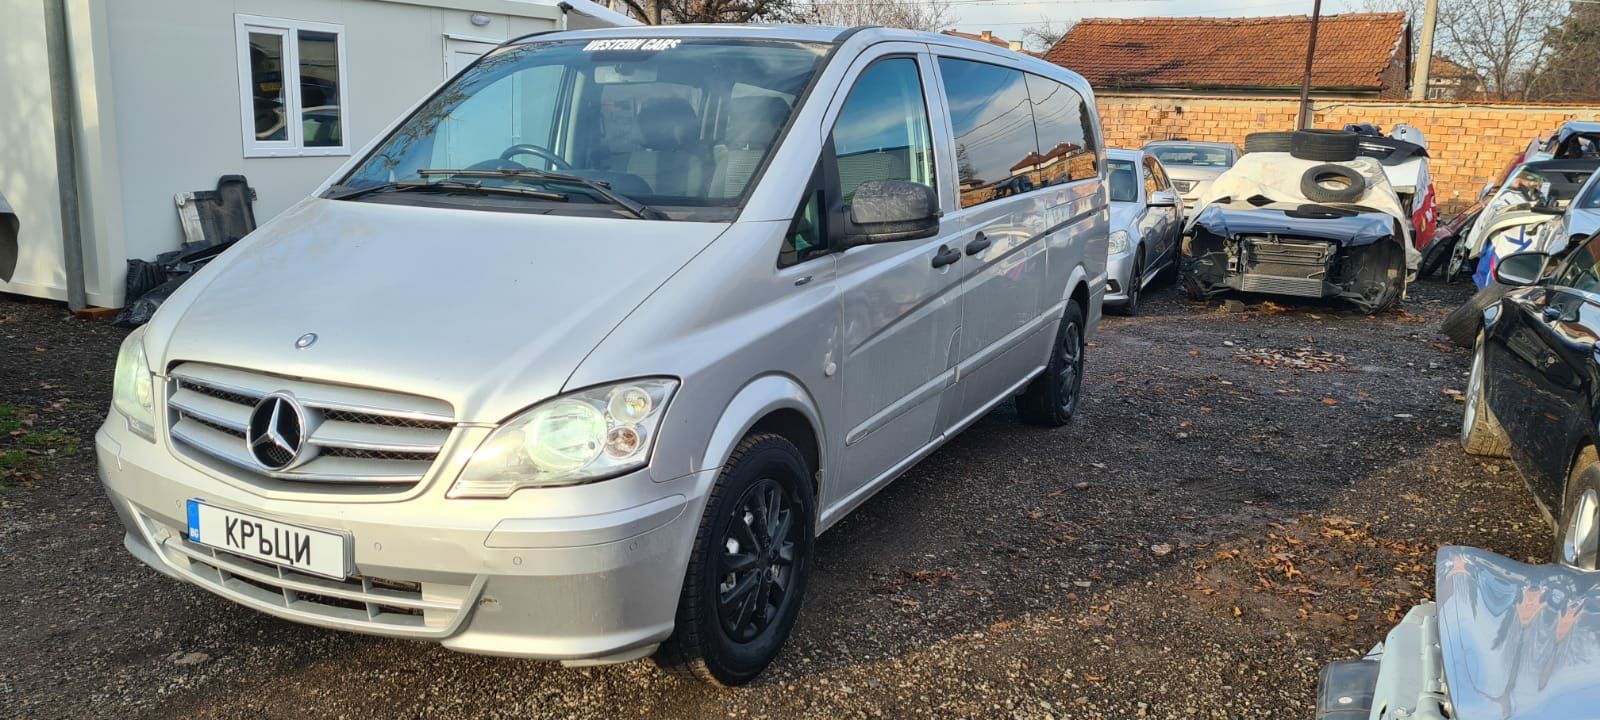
{"x": 360, "y": 436}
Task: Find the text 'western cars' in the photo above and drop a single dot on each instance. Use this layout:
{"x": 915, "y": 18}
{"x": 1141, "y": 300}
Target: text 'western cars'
{"x": 763, "y": 272}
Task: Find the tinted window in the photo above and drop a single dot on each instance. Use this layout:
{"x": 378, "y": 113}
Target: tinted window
{"x": 1124, "y": 181}
{"x": 1065, "y": 131}
{"x": 1582, "y": 270}
{"x": 882, "y": 130}
{"x": 993, "y": 128}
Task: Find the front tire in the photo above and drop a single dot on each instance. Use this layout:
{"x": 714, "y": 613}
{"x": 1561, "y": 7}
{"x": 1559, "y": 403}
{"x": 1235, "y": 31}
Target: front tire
{"x": 747, "y": 574}
{"x": 1481, "y": 433}
{"x": 1135, "y": 288}
{"x": 1578, "y": 530}
{"x": 1051, "y": 399}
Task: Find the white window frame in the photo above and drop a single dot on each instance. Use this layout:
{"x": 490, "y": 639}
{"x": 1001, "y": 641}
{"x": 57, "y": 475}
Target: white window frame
{"x": 294, "y": 121}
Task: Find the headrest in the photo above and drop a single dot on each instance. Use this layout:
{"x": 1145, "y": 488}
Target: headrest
{"x": 755, "y": 121}
{"x": 667, "y": 123}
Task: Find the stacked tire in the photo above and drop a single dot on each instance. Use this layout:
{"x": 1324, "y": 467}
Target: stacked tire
{"x": 1323, "y": 145}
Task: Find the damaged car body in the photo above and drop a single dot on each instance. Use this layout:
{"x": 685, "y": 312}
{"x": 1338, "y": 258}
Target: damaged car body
{"x": 1320, "y": 251}
{"x": 1503, "y": 640}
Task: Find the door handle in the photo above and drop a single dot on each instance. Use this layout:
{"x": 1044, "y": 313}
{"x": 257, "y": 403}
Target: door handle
{"x": 947, "y": 255}
{"x": 979, "y": 244}
{"x": 1552, "y": 314}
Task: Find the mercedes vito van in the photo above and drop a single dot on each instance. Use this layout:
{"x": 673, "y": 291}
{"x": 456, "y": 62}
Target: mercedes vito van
{"x": 578, "y": 357}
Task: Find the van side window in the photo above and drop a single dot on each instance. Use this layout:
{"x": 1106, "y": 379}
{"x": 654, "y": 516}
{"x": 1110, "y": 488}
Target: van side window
{"x": 807, "y": 236}
{"x": 882, "y": 131}
{"x": 997, "y": 154}
{"x": 1066, "y": 132}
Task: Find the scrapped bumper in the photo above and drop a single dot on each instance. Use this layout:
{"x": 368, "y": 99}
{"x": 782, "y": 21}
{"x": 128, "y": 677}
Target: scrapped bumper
{"x": 1404, "y": 674}
{"x": 503, "y": 577}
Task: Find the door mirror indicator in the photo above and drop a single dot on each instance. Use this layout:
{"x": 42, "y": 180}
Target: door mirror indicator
{"x": 890, "y": 211}
{"x": 1163, "y": 198}
{"x": 1521, "y": 268}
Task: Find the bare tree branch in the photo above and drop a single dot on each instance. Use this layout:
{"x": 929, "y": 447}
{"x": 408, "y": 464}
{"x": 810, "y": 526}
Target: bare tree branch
{"x": 1503, "y": 41}
{"x": 1040, "y": 38}
{"x": 928, "y": 15}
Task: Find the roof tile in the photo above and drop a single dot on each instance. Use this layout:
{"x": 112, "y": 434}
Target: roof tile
{"x": 1353, "y": 50}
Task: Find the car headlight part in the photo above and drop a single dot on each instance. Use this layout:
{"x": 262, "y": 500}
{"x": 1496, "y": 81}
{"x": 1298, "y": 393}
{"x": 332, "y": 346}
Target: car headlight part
{"x": 579, "y": 437}
{"x": 1119, "y": 242}
{"x": 133, "y": 387}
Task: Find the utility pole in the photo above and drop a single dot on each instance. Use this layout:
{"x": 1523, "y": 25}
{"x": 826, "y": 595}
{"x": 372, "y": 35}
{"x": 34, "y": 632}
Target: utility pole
{"x": 655, "y": 13}
{"x": 1305, "y": 81}
{"x": 1419, "y": 78}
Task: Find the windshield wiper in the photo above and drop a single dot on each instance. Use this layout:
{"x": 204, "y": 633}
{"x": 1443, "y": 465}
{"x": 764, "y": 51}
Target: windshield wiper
{"x": 603, "y": 189}
{"x": 348, "y": 193}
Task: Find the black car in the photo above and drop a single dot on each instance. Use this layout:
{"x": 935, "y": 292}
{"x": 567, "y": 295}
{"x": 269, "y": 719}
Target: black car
{"x": 1320, "y": 251}
{"x": 1534, "y": 391}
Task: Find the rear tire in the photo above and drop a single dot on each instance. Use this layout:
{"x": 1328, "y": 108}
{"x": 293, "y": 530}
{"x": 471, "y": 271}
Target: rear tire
{"x": 748, "y": 570}
{"x": 1051, "y": 399}
{"x": 1481, "y": 433}
{"x": 1578, "y": 529}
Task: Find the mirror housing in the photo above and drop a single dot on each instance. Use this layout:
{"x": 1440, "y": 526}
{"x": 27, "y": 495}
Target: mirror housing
{"x": 1520, "y": 269}
{"x": 890, "y": 211}
{"x": 1163, "y": 198}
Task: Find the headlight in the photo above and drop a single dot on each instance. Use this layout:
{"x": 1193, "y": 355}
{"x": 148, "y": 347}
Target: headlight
{"x": 1119, "y": 242}
{"x": 576, "y": 438}
{"x": 133, "y": 389}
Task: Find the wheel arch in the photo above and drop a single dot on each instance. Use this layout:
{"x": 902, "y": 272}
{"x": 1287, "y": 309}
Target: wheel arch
{"x": 778, "y": 404}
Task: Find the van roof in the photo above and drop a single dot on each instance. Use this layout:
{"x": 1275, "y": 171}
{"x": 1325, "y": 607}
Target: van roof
{"x": 868, "y": 34}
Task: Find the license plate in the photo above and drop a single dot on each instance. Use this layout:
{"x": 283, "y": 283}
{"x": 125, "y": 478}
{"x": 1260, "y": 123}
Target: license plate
{"x": 309, "y": 550}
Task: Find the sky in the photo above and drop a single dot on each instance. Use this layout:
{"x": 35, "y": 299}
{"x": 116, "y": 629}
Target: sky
{"x": 1008, "y": 18}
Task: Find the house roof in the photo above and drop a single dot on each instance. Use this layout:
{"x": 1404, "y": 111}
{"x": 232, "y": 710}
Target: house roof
{"x": 1262, "y": 53}
{"x": 985, "y": 37}
{"x": 1443, "y": 67}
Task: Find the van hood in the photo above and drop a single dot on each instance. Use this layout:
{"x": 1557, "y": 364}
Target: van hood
{"x": 488, "y": 311}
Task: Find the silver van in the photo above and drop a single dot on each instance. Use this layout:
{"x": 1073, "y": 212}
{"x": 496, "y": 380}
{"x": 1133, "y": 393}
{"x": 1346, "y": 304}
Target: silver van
{"x": 577, "y": 358}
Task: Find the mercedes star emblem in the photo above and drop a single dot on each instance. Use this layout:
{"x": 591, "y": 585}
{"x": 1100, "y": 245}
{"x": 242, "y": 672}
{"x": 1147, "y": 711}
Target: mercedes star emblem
{"x": 276, "y": 431}
{"x": 305, "y": 341}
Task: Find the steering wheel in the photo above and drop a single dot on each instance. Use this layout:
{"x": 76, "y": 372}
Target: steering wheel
{"x": 536, "y": 151}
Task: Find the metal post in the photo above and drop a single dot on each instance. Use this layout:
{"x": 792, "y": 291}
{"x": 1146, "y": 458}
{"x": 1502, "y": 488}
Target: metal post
{"x": 64, "y": 112}
{"x": 1305, "y": 82}
{"x": 1419, "y": 80}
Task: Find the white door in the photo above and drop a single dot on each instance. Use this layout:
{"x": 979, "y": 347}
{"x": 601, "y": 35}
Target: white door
{"x": 458, "y": 54}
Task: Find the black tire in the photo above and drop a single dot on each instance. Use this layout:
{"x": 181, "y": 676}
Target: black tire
{"x": 1130, "y": 307}
{"x": 1436, "y": 255}
{"x": 1051, "y": 399}
{"x": 1192, "y": 289}
{"x": 1267, "y": 142}
{"x": 765, "y": 470}
{"x": 1481, "y": 433}
{"x": 1463, "y": 325}
{"x": 1329, "y": 183}
{"x": 1578, "y": 528}
{"x": 1174, "y": 268}
{"x": 1325, "y": 145}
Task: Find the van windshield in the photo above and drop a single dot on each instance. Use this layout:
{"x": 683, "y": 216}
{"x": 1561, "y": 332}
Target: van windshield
{"x": 679, "y": 127}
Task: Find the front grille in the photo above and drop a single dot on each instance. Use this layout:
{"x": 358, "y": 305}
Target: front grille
{"x": 356, "y": 436}
{"x": 372, "y": 604}
{"x": 1285, "y": 266}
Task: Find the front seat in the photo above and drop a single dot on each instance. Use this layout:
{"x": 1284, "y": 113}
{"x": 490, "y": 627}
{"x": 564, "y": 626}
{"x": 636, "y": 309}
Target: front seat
{"x": 669, "y": 161}
{"x": 753, "y": 125}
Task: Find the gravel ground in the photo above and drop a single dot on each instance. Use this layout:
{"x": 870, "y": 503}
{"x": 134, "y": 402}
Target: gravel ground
{"x": 1243, "y": 497}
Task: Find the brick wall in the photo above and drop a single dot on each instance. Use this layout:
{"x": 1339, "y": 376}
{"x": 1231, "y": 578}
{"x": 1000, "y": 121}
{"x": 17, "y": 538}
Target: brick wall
{"x": 1467, "y": 143}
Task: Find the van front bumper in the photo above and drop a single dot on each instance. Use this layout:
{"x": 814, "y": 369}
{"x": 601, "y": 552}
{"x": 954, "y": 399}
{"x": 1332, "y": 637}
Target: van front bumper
{"x": 527, "y": 576}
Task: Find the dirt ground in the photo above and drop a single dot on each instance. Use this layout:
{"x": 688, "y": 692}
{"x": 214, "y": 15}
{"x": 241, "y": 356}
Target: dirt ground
{"x": 1243, "y": 497}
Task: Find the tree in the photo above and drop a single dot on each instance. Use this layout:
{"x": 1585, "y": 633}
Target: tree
{"x": 1503, "y": 41}
{"x": 709, "y": 11}
{"x": 1040, "y": 38}
{"x": 1567, "y": 73}
{"x": 928, "y": 15}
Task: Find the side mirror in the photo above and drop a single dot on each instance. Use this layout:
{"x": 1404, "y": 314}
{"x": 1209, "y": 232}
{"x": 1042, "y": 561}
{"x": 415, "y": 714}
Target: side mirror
{"x": 892, "y": 210}
{"x": 1163, "y": 198}
{"x": 1524, "y": 268}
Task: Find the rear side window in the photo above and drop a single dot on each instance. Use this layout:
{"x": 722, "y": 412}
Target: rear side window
{"x": 997, "y": 153}
{"x": 1066, "y": 133}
